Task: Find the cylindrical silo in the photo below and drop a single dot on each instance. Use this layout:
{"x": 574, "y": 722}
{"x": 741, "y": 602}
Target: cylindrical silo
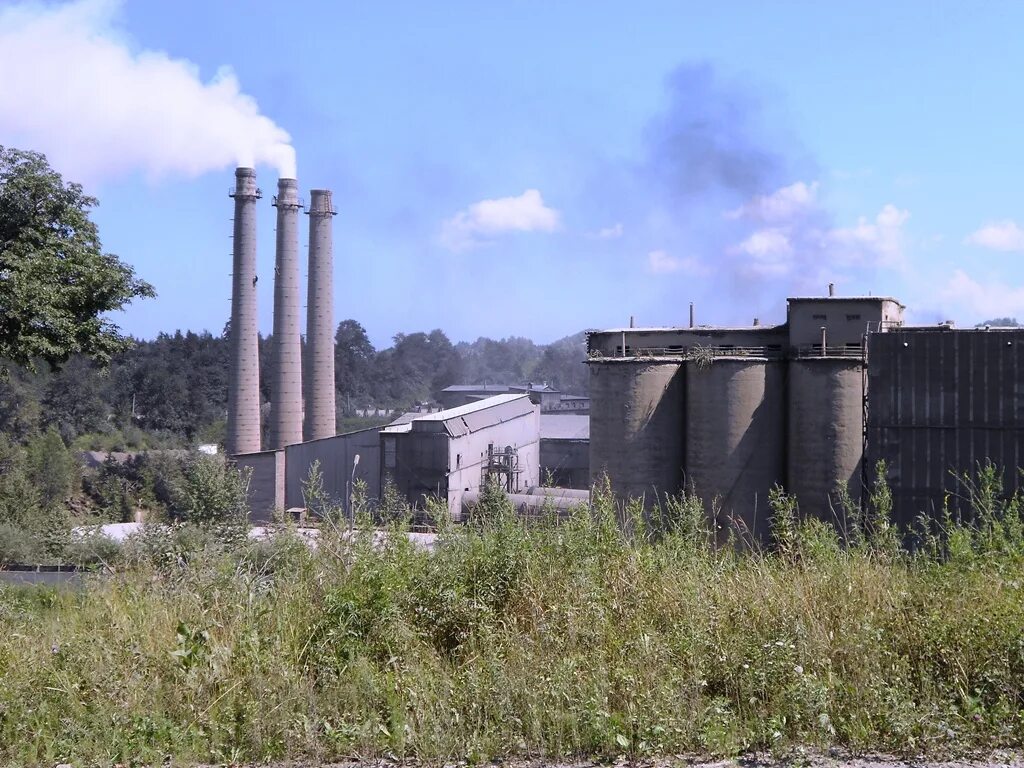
{"x": 636, "y": 426}
{"x": 826, "y": 431}
{"x": 735, "y": 438}
{"x": 319, "y": 372}
{"x": 243, "y": 423}
{"x": 286, "y": 370}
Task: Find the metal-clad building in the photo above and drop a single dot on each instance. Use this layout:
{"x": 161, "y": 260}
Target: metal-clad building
{"x": 266, "y": 483}
{"x": 447, "y": 453}
{"x": 941, "y": 401}
{"x": 339, "y": 466}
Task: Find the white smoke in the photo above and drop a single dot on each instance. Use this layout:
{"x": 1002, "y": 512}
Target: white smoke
{"x": 72, "y": 87}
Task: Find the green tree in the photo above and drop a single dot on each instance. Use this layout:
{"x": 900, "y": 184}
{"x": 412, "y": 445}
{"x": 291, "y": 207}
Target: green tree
{"x": 55, "y": 281}
{"x": 353, "y": 363}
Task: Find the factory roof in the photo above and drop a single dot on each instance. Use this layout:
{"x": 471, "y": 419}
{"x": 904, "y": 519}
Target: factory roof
{"x": 500, "y": 388}
{"x": 470, "y": 417}
{"x": 477, "y": 388}
{"x": 564, "y": 426}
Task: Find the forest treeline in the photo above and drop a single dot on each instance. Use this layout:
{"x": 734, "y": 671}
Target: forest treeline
{"x": 172, "y": 390}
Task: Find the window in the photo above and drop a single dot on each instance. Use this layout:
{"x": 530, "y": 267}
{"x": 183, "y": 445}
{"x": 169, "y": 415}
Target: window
{"x": 851, "y": 318}
{"x": 389, "y": 453}
{"x": 820, "y": 317}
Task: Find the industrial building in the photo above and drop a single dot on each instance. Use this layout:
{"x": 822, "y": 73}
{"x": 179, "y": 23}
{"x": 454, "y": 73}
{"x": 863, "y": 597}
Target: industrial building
{"x": 808, "y": 405}
{"x": 442, "y": 455}
{"x": 731, "y": 412}
{"x": 454, "y": 451}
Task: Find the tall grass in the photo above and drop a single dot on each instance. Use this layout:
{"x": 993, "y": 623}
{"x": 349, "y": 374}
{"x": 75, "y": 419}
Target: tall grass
{"x": 582, "y": 637}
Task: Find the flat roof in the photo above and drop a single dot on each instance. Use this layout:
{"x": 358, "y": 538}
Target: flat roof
{"x": 477, "y": 388}
{"x": 875, "y": 299}
{"x": 564, "y": 426}
{"x": 694, "y": 329}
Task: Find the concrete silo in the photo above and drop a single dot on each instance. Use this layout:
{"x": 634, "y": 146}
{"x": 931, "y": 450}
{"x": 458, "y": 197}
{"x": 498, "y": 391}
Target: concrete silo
{"x": 286, "y": 371}
{"x": 826, "y": 431}
{"x": 636, "y": 425}
{"x": 318, "y": 377}
{"x": 243, "y": 421}
{"x": 736, "y": 437}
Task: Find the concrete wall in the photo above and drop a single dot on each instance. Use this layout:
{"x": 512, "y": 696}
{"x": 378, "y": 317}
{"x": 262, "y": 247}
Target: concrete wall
{"x": 266, "y": 484}
{"x": 826, "y": 431}
{"x": 336, "y": 456}
{"x": 846, "y": 319}
{"x": 679, "y": 340}
{"x": 636, "y": 426}
{"x": 941, "y": 401}
{"x": 735, "y": 437}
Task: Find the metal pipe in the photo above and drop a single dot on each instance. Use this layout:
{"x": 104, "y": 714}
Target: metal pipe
{"x": 831, "y": 289}
{"x": 691, "y": 314}
{"x": 823, "y": 341}
{"x": 318, "y": 377}
{"x": 243, "y": 421}
{"x": 286, "y": 373}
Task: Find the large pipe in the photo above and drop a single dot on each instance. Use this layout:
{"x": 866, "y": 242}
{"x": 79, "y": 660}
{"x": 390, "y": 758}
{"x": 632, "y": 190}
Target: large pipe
{"x": 319, "y": 373}
{"x": 243, "y": 427}
{"x": 286, "y": 373}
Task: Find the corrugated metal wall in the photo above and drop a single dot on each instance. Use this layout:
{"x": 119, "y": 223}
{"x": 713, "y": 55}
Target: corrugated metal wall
{"x": 940, "y": 401}
{"x": 336, "y": 456}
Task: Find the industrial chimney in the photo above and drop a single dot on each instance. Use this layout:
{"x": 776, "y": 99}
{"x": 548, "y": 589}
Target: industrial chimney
{"x": 319, "y": 372}
{"x": 243, "y": 427}
{"x": 286, "y": 371}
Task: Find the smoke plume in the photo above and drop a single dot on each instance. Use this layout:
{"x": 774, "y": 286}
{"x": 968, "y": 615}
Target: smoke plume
{"x": 739, "y": 207}
{"x": 72, "y": 87}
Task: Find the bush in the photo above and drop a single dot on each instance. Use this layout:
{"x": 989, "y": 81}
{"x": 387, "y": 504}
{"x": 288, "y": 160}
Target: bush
{"x": 211, "y": 492}
{"x": 18, "y": 546}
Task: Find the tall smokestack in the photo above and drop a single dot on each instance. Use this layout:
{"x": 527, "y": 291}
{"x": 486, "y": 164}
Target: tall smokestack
{"x": 319, "y": 373}
{"x": 286, "y": 373}
{"x": 243, "y": 428}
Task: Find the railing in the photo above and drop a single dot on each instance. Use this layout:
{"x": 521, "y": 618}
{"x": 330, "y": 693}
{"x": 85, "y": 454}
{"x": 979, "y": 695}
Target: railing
{"x": 692, "y": 352}
{"x": 707, "y": 353}
{"x": 242, "y": 192}
{"x": 849, "y": 351}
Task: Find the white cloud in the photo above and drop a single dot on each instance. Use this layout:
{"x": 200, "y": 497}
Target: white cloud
{"x": 474, "y": 225}
{"x": 781, "y": 205}
{"x": 998, "y": 236}
{"x": 610, "y": 233}
{"x": 767, "y": 252}
{"x": 661, "y": 262}
{"x": 100, "y": 109}
{"x": 766, "y": 242}
{"x": 880, "y": 241}
{"x": 993, "y": 299}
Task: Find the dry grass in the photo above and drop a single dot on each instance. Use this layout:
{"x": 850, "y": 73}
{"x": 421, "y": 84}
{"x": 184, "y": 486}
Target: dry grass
{"x": 547, "y": 640}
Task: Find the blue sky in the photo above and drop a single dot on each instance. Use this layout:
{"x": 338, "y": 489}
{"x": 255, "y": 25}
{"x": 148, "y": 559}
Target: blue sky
{"x": 538, "y": 168}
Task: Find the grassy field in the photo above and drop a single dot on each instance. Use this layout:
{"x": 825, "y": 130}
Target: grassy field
{"x": 545, "y": 639}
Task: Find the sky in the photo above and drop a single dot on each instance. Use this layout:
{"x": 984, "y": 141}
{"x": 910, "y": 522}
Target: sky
{"x": 535, "y": 168}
